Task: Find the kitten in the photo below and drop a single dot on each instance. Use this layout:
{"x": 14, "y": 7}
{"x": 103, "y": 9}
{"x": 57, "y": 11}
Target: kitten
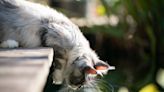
{"x": 26, "y": 24}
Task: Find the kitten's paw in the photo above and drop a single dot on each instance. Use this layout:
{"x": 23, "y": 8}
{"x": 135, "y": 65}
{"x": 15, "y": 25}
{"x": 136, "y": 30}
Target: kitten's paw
{"x": 9, "y": 44}
{"x": 57, "y": 77}
{"x": 57, "y": 82}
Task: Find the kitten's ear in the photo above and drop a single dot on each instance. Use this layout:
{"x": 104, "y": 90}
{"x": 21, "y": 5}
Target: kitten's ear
{"x": 103, "y": 66}
{"x": 89, "y": 70}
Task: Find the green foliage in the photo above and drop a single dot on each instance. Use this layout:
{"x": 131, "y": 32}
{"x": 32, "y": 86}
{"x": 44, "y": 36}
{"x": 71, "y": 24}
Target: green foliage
{"x": 112, "y": 31}
{"x": 148, "y": 20}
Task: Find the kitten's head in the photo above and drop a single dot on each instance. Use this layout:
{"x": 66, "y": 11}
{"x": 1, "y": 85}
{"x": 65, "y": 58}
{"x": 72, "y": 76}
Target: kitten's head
{"x": 86, "y": 71}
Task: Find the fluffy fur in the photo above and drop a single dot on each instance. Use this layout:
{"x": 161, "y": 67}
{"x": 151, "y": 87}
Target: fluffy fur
{"x": 26, "y": 24}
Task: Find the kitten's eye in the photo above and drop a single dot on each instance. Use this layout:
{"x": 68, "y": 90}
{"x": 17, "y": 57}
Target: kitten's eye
{"x": 90, "y": 71}
{"x": 101, "y": 67}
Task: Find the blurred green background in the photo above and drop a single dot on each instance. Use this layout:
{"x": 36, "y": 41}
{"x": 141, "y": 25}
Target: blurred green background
{"x": 129, "y": 34}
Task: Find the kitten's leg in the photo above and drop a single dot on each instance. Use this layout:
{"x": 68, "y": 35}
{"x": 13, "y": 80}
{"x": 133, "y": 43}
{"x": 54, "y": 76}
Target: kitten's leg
{"x": 60, "y": 64}
{"x": 58, "y": 75}
{"x": 9, "y": 44}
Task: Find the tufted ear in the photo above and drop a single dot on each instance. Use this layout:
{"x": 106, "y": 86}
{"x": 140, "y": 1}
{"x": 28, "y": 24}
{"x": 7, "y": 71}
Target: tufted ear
{"x": 103, "y": 66}
{"x": 89, "y": 70}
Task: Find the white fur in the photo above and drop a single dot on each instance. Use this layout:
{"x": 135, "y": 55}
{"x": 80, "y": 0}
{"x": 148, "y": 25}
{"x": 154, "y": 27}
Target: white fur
{"x": 9, "y": 44}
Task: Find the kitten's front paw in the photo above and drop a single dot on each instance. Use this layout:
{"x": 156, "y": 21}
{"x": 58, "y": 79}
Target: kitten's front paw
{"x": 57, "y": 82}
{"x": 57, "y": 77}
{"x": 9, "y": 44}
